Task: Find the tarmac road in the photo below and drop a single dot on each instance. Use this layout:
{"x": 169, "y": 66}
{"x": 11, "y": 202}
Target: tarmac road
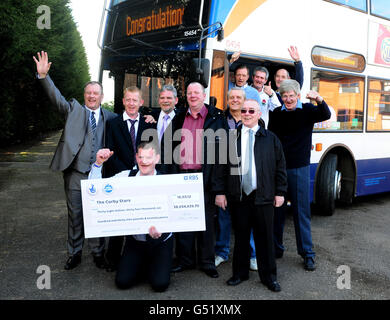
{"x": 33, "y": 228}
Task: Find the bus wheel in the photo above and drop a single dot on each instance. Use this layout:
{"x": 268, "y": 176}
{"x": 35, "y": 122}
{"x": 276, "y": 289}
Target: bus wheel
{"x": 328, "y": 186}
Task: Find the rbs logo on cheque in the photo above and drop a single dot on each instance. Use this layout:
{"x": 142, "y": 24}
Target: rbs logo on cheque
{"x": 191, "y": 177}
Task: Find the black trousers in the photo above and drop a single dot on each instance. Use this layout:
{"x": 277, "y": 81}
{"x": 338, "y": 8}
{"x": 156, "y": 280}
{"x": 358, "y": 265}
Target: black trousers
{"x": 114, "y": 249}
{"x": 192, "y": 247}
{"x": 245, "y": 216}
{"x": 143, "y": 260}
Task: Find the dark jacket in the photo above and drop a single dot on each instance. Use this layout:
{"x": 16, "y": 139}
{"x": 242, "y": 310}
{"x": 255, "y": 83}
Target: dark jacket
{"x": 213, "y": 167}
{"x": 298, "y": 77}
{"x": 270, "y": 167}
{"x": 118, "y": 140}
{"x": 294, "y": 130}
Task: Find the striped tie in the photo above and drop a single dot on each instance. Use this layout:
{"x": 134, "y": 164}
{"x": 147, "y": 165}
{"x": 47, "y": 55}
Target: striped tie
{"x": 93, "y": 122}
{"x": 132, "y": 135}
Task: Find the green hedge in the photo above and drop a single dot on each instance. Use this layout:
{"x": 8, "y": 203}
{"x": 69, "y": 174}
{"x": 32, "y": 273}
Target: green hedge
{"x": 25, "y": 109}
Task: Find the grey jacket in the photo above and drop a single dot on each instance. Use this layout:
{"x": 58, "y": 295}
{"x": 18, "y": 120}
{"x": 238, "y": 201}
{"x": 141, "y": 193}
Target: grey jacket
{"x": 76, "y": 125}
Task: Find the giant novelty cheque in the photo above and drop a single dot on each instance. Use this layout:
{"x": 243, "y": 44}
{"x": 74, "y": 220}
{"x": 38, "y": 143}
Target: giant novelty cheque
{"x": 131, "y": 205}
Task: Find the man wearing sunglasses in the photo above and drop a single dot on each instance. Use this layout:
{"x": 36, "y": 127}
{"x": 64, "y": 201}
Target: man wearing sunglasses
{"x": 257, "y": 183}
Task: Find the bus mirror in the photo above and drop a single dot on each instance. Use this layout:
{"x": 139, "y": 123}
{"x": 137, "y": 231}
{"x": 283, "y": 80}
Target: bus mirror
{"x": 200, "y": 71}
{"x": 221, "y": 35}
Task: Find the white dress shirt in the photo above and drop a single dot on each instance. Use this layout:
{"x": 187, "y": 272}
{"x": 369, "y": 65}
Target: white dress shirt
{"x": 97, "y": 114}
{"x": 136, "y": 124}
{"x": 244, "y": 145}
{"x": 268, "y": 104}
{"x": 160, "y": 120}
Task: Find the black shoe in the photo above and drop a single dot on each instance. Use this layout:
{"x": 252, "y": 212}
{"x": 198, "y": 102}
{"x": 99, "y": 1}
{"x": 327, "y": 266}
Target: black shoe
{"x": 309, "y": 264}
{"x": 100, "y": 261}
{"x": 273, "y": 286}
{"x": 73, "y": 261}
{"x": 279, "y": 255}
{"x": 212, "y": 273}
{"x": 180, "y": 268}
{"x": 111, "y": 266}
{"x": 233, "y": 281}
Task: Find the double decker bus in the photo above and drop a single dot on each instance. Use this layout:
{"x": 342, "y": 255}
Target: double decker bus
{"x": 344, "y": 47}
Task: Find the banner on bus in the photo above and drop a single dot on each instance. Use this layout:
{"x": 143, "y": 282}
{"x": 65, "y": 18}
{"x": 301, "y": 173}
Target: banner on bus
{"x": 379, "y": 44}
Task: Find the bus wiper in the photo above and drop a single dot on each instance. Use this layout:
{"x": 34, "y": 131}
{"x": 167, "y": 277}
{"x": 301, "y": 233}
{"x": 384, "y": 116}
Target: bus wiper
{"x": 140, "y": 42}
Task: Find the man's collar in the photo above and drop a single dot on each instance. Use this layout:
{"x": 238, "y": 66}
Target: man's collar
{"x": 298, "y": 106}
{"x": 245, "y": 129}
{"x": 202, "y": 112}
{"x": 126, "y": 116}
{"x": 171, "y": 114}
{"x": 96, "y": 110}
{"x": 139, "y": 173}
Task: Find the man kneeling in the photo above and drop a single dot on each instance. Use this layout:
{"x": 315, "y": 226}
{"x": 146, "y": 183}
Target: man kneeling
{"x": 144, "y": 256}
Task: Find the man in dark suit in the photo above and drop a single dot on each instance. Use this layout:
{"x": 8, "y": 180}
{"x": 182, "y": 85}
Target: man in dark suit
{"x": 124, "y": 134}
{"x": 194, "y": 155}
{"x": 144, "y": 256}
{"x": 83, "y": 135}
{"x": 167, "y": 101}
{"x": 257, "y": 183}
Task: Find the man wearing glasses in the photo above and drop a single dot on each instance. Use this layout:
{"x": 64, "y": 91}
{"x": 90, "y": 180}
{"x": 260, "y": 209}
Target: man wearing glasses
{"x": 256, "y": 185}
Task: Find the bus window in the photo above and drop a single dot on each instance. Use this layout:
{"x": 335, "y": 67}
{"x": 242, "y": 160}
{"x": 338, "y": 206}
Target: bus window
{"x": 380, "y": 8}
{"x": 217, "y": 85}
{"x": 115, "y": 2}
{"x": 355, "y": 4}
{"x": 150, "y": 87}
{"x": 344, "y": 95}
{"x": 338, "y": 59}
{"x": 378, "y": 113}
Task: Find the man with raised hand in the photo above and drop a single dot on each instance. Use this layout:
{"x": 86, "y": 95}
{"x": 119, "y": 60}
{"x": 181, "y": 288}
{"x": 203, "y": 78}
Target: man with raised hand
{"x": 268, "y": 97}
{"x": 282, "y": 74}
{"x": 144, "y": 256}
{"x": 83, "y": 135}
{"x": 293, "y": 124}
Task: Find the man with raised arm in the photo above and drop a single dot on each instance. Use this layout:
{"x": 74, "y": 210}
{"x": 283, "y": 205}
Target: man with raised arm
{"x": 268, "y": 97}
{"x": 293, "y": 124}
{"x": 82, "y": 137}
{"x": 144, "y": 256}
{"x": 282, "y": 74}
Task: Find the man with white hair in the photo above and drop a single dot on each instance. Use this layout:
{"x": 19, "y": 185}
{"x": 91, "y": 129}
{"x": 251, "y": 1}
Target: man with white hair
{"x": 293, "y": 124}
{"x": 255, "y": 186}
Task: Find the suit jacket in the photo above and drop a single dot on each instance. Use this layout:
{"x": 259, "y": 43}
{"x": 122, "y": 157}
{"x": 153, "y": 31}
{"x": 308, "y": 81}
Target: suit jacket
{"x": 271, "y": 175}
{"x": 76, "y": 125}
{"x": 214, "y": 174}
{"x": 118, "y": 139}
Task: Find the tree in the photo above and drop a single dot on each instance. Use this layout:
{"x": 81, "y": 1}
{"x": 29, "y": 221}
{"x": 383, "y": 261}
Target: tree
{"x": 26, "y": 111}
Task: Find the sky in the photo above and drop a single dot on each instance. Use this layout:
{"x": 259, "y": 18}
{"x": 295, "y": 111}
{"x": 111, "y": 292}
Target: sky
{"x": 87, "y": 15}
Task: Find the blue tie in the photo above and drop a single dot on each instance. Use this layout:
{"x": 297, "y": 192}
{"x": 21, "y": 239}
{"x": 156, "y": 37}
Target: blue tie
{"x": 247, "y": 168}
{"x": 93, "y": 122}
{"x": 163, "y": 127}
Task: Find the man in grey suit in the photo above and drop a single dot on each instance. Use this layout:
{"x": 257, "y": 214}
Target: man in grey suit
{"x": 81, "y": 138}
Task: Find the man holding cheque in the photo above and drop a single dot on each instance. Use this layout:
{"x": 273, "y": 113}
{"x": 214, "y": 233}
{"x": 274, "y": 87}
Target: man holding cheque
{"x": 145, "y": 256}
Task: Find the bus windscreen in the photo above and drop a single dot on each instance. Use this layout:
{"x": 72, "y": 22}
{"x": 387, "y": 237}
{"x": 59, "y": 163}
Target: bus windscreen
{"x": 154, "y": 22}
